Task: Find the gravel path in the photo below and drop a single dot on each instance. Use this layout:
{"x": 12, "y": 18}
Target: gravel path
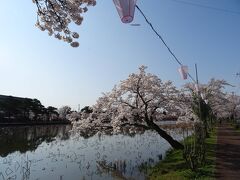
{"x": 228, "y": 153}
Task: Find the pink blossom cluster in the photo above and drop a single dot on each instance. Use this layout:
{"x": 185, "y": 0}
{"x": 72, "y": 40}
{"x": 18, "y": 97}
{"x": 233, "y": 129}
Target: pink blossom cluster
{"x": 55, "y": 16}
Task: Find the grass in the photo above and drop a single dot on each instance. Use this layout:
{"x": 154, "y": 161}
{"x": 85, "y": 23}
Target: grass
{"x": 174, "y": 166}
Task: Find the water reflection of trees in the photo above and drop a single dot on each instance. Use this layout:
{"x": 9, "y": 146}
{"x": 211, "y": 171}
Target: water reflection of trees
{"x": 88, "y": 133}
{"x": 116, "y": 169}
{"x": 126, "y": 130}
{"x": 28, "y": 138}
{"x": 25, "y": 139}
{"x": 103, "y": 156}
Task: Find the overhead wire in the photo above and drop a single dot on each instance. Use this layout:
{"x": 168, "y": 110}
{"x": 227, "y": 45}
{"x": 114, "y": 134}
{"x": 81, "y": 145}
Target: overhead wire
{"x": 163, "y": 41}
{"x": 207, "y": 7}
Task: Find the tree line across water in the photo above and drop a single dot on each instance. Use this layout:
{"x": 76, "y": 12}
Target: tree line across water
{"x": 22, "y": 110}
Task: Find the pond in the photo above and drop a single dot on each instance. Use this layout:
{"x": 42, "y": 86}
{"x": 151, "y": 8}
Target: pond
{"x": 53, "y": 153}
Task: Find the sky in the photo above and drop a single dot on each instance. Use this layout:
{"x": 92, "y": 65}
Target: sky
{"x": 34, "y": 65}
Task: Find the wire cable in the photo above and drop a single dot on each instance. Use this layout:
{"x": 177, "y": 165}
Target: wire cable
{"x": 207, "y": 7}
{"x": 163, "y": 41}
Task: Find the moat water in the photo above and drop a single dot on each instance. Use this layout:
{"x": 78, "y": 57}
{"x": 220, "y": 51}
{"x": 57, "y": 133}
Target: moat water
{"x": 53, "y": 153}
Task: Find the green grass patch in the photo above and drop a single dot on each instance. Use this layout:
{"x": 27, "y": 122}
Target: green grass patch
{"x": 174, "y": 166}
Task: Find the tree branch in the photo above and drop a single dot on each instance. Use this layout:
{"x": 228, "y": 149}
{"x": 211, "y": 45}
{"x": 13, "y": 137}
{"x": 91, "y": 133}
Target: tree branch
{"x": 133, "y": 107}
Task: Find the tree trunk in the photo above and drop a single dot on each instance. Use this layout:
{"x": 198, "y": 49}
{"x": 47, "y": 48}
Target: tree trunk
{"x": 175, "y": 144}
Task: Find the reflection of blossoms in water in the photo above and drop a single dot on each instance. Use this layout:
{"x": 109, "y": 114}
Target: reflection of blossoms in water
{"x": 78, "y": 156}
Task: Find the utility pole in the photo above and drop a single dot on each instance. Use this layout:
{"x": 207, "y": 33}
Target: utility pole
{"x": 196, "y": 73}
{"x": 199, "y": 103}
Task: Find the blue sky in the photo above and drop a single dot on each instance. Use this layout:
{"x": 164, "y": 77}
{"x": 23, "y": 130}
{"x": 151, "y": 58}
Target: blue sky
{"x": 34, "y": 65}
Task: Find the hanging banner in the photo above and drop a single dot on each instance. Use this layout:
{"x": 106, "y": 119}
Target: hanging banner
{"x": 183, "y": 70}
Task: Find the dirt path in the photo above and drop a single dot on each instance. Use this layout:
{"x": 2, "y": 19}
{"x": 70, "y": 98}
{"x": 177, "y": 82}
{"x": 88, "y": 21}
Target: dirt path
{"x": 228, "y": 153}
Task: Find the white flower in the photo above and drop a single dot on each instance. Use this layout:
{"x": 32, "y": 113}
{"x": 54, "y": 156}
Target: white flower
{"x": 55, "y": 16}
{"x": 58, "y": 36}
{"x": 75, "y": 44}
{"x": 75, "y": 35}
{"x": 85, "y": 9}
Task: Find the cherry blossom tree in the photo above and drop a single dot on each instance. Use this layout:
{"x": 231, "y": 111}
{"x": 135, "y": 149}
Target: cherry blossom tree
{"x": 233, "y": 106}
{"x": 222, "y": 104}
{"x": 213, "y": 101}
{"x": 64, "y": 111}
{"x": 237, "y": 113}
{"x": 73, "y": 116}
{"x": 213, "y": 92}
{"x": 136, "y": 103}
{"x": 55, "y": 16}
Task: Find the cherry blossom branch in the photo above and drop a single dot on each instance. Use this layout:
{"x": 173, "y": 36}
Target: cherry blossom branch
{"x": 55, "y": 16}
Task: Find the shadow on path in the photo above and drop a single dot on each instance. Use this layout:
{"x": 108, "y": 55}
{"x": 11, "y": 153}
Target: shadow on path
{"x": 228, "y": 153}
